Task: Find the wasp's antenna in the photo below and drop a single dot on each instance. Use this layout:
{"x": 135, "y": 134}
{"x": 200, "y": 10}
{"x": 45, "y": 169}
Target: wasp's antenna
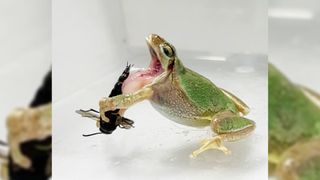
{"x": 129, "y": 65}
{"x": 87, "y": 135}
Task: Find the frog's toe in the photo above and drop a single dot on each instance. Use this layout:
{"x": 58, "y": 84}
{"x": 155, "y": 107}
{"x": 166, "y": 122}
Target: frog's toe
{"x": 212, "y": 143}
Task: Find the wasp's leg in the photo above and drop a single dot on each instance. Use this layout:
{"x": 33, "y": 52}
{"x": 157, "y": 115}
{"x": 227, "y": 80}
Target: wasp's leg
{"x": 89, "y": 114}
{"x": 123, "y": 101}
{"x": 301, "y": 161}
{"x": 91, "y": 110}
{"x": 229, "y": 127}
{"x": 2, "y": 143}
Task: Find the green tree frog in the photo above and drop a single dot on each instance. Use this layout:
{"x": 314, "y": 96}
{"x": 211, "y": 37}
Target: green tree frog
{"x": 294, "y": 129}
{"x": 183, "y": 96}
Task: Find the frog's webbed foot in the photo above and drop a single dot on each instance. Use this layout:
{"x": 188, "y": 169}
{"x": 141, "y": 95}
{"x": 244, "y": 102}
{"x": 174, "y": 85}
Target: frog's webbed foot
{"x": 301, "y": 161}
{"x": 211, "y": 143}
{"x": 229, "y": 127}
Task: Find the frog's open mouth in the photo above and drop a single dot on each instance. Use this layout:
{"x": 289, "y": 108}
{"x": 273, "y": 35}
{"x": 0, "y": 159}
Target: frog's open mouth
{"x": 141, "y": 77}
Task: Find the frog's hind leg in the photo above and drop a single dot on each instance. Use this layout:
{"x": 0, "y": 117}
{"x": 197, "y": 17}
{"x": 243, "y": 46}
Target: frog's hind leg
{"x": 228, "y": 127}
{"x": 300, "y": 161}
{"x": 241, "y": 106}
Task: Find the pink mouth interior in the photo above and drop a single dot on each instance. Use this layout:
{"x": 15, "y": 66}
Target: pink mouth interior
{"x": 139, "y": 78}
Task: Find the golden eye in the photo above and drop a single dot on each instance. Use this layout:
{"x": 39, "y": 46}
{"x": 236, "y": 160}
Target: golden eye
{"x": 167, "y": 50}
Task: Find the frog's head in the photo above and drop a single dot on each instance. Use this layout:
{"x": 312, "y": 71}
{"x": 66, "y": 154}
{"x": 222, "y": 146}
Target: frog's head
{"x": 163, "y": 54}
{"x": 163, "y": 61}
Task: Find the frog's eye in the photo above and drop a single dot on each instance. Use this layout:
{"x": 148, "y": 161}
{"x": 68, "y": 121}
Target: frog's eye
{"x": 167, "y": 50}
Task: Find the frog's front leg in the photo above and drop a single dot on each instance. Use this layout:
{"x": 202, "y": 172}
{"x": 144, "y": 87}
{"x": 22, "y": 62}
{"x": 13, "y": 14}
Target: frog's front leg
{"x": 123, "y": 101}
{"x": 301, "y": 161}
{"x": 228, "y": 127}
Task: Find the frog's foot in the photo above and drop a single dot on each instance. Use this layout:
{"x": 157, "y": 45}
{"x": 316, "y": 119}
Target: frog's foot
{"x": 229, "y": 127}
{"x": 301, "y": 161}
{"x": 212, "y": 143}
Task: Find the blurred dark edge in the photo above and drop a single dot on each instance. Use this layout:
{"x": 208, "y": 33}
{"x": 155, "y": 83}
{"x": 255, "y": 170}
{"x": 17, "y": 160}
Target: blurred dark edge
{"x": 41, "y": 159}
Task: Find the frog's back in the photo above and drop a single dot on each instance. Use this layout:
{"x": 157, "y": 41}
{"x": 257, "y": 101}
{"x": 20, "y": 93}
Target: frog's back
{"x": 206, "y": 95}
{"x": 292, "y": 116}
{"x": 190, "y": 99}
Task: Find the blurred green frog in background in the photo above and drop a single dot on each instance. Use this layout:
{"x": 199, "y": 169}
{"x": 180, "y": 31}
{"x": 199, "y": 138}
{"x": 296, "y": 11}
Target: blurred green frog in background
{"x": 294, "y": 129}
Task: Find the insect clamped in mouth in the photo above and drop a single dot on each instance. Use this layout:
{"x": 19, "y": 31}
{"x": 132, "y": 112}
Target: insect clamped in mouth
{"x": 115, "y": 116}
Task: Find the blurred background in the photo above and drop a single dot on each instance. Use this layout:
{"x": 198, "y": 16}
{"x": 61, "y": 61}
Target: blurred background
{"x": 25, "y": 53}
{"x": 225, "y": 41}
{"x": 294, "y": 48}
{"x": 294, "y": 41}
{"x": 99, "y": 35}
{"x": 25, "y": 56}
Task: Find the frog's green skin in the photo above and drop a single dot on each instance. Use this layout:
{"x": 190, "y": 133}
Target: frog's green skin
{"x": 188, "y": 98}
{"x": 294, "y": 129}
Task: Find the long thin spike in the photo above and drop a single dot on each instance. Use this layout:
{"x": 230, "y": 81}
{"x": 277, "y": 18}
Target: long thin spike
{"x": 87, "y": 135}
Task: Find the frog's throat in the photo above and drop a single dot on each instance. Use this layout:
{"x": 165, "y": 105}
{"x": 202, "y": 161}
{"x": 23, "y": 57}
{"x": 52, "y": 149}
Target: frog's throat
{"x": 141, "y": 77}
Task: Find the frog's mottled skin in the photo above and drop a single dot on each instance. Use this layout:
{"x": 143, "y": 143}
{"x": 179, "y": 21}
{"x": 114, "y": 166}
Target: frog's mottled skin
{"x": 294, "y": 129}
{"x": 188, "y": 98}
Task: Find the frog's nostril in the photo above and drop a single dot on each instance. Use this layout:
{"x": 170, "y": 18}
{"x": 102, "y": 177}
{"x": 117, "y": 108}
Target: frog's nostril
{"x": 153, "y": 36}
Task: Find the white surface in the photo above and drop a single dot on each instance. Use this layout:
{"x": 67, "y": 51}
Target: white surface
{"x": 93, "y": 36}
{"x": 88, "y": 37}
{"x": 294, "y": 41}
{"x": 158, "y": 148}
{"x": 218, "y": 26}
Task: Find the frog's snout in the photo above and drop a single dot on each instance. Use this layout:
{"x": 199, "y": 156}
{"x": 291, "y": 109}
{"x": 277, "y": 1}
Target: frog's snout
{"x": 151, "y": 37}
{"x": 154, "y": 40}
